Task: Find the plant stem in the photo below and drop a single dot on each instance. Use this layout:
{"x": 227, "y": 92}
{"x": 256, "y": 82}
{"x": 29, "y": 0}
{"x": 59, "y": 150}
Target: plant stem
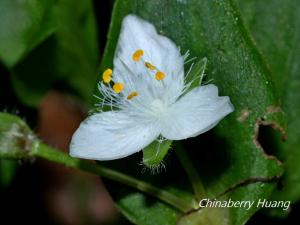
{"x": 190, "y": 170}
{"x": 51, "y": 154}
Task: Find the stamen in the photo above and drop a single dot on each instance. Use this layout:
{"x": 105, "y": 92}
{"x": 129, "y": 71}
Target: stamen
{"x": 118, "y": 87}
{"x": 150, "y": 66}
{"x": 137, "y": 55}
{"x": 132, "y": 95}
{"x": 106, "y": 76}
{"x": 160, "y": 75}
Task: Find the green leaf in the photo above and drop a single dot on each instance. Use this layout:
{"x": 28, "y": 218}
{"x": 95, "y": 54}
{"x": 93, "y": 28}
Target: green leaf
{"x": 68, "y": 59}
{"x": 206, "y": 216}
{"x": 230, "y": 154}
{"x": 139, "y": 212}
{"x": 35, "y": 74}
{"x": 23, "y": 25}
{"x": 77, "y": 51}
{"x": 275, "y": 26}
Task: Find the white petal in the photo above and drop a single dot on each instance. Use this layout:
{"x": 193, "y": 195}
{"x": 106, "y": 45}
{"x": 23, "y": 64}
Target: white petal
{"x": 195, "y": 113}
{"x": 111, "y": 135}
{"x": 158, "y": 50}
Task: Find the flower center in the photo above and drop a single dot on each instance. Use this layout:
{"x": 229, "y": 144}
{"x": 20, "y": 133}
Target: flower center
{"x": 159, "y": 108}
{"x": 119, "y": 87}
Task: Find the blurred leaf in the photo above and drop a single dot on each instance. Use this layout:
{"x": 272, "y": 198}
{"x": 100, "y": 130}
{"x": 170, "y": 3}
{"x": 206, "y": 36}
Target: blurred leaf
{"x": 77, "y": 51}
{"x": 68, "y": 59}
{"x": 23, "y": 25}
{"x": 135, "y": 207}
{"x": 275, "y": 26}
{"x": 7, "y": 171}
{"x": 232, "y": 154}
{"x": 35, "y": 74}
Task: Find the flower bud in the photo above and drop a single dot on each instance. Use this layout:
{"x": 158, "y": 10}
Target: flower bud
{"x": 16, "y": 138}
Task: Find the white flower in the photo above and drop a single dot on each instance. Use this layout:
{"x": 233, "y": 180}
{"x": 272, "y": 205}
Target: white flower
{"x": 148, "y": 98}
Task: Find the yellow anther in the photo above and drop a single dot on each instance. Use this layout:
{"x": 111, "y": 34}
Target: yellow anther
{"x": 137, "y": 55}
{"x": 160, "y": 75}
{"x": 150, "y": 66}
{"x": 118, "y": 87}
{"x": 106, "y": 76}
{"x": 132, "y": 95}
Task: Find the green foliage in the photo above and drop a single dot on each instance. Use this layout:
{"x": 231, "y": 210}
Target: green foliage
{"x": 7, "y": 171}
{"x": 207, "y": 216}
{"x": 68, "y": 58}
{"x": 23, "y": 25}
{"x": 275, "y": 26}
{"x": 136, "y": 208}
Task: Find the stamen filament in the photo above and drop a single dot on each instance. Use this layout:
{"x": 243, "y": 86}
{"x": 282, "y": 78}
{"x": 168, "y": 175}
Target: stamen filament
{"x": 137, "y": 56}
{"x": 150, "y": 66}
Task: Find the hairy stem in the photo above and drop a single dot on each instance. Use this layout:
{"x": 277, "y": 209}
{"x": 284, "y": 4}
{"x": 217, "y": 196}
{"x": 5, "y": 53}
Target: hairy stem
{"x": 190, "y": 170}
{"x": 44, "y": 151}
